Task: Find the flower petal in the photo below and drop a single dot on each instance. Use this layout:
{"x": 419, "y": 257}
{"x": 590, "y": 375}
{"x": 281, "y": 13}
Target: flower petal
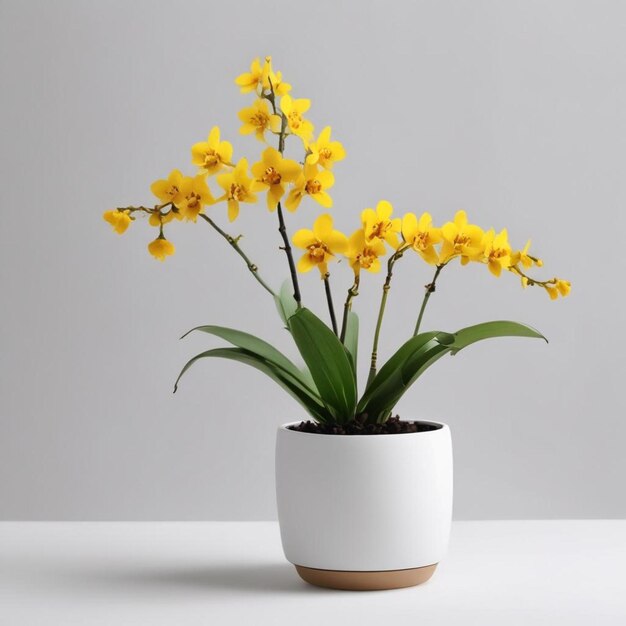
{"x": 293, "y": 200}
{"x": 384, "y": 209}
{"x": 336, "y": 241}
{"x": 323, "y": 198}
{"x": 323, "y": 226}
{"x": 214, "y": 137}
{"x": 409, "y": 227}
{"x": 233, "y": 210}
{"x": 303, "y": 238}
{"x": 306, "y": 263}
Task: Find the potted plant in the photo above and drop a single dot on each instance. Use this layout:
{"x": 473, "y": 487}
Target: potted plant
{"x": 364, "y": 498}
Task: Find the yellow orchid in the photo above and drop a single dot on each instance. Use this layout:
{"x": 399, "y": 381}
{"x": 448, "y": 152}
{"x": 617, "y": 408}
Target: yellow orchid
{"x": 563, "y": 287}
{"x": 554, "y": 287}
{"x": 262, "y": 76}
{"x": 293, "y": 110}
{"x": 256, "y": 119}
{"x": 237, "y": 186}
{"x": 119, "y": 220}
{"x": 497, "y": 251}
{"x": 364, "y": 253}
{"x": 557, "y": 287}
{"x": 271, "y": 173}
{"x": 311, "y": 182}
{"x": 321, "y": 244}
{"x": 274, "y": 80}
{"x": 522, "y": 256}
{"x": 161, "y": 248}
{"x": 212, "y": 155}
{"x": 324, "y": 151}
{"x": 196, "y": 195}
{"x": 461, "y": 239}
{"x": 422, "y": 236}
{"x": 249, "y": 81}
{"x": 377, "y": 224}
{"x": 168, "y": 189}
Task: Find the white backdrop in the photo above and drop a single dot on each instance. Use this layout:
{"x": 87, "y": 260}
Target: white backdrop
{"x": 511, "y": 110}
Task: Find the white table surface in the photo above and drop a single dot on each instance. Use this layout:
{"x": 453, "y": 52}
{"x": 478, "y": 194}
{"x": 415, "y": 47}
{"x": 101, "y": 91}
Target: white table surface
{"x": 218, "y": 573}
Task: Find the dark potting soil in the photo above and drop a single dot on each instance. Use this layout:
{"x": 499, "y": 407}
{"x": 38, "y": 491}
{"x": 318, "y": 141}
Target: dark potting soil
{"x": 393, "y": 426}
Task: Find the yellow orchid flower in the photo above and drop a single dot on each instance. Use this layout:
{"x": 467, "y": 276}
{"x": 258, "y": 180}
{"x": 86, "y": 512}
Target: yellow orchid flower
{"x": 364, "y": 253}
{"x": 293, "y": 110}
{"x": 311, "y": 182}
{"x": 256, "y": 119}
{"x": 324, "y": 151}
{"x": 563, "y": 287}
{"x": 497, "y": 251}
{"x": 321, "y": 244}
{"x": 377, "y": 224}
{"x": 161, "y": 248}
{"x": 461, "y": 239}
{"x": 212, "y": 155}
{"x": 237, "y": 186}
{"x": 195, "y": 195}
{"x": 119, "y": 220}
{"x": 262, "y": 76}
{"x": 168, "y": 190}
{"x": 557, "y": 287}
{"x": 271, "y": 173}
{"x": 249, "y": 81}
{"x": 554, "y": 287}
{"x": 273, "y": 81}
{"x": 522, "y": 256}
{"x": 422, "y": 236}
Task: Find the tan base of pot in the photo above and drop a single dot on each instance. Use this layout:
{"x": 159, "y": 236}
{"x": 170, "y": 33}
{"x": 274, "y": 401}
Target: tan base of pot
{"x": 366, "y": 581}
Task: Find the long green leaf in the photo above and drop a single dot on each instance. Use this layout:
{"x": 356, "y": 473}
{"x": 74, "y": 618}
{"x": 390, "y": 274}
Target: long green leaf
{"x": 252, "y": 344}
{"x": 394, "y": 364}
{"x": 419, "y": 353}
{"x": 302, "y": 394}
{"x": 389, "y": 391}
{"x": 488, "y": 330}
{"x": 327, "y": 361}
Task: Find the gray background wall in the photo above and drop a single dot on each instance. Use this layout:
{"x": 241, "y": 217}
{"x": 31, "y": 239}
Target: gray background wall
{"x": 511, "y": 110}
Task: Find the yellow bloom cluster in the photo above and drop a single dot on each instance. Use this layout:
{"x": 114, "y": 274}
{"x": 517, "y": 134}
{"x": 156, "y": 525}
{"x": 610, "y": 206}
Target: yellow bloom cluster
{"x": 274, "y": 112}
{"x": 380, "y": 233}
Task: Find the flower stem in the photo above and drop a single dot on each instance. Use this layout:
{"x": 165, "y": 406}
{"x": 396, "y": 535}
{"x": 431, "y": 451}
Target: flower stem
{"x": 329, "y": 299}
{"x": 352, "y": 293}
{"x": 282, "y": 228}
{"x": 234, "y": 243}
{"x": 381, "y": 311}
{"x": 430, "y": 288}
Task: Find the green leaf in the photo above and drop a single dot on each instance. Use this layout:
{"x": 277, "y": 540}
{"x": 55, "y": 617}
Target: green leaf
{"x": 285, "y": 302}
{"x": 328, "y": 362}
{"x": 419, "y": 353}
{"x": 401, "y": 371}
{"x": 306, "y": 397}
{"x": 351, "y": 339}
{"x": 252, "y": 344}
{"x": 488, "y": 330}
{"x": 394, "y": 364}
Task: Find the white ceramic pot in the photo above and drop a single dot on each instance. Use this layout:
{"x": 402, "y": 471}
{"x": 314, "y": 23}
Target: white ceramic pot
{"x": 364, "y": 511}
